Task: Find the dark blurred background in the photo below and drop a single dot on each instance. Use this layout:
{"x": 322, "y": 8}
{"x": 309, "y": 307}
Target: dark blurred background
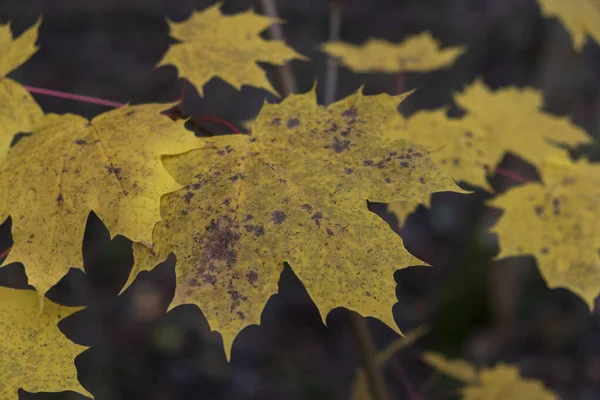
{"x": 486, "y": 311}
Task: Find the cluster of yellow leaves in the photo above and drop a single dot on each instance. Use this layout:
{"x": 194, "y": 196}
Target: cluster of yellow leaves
{"x": 234, "y": 208}
{"x": 501, "y": 382}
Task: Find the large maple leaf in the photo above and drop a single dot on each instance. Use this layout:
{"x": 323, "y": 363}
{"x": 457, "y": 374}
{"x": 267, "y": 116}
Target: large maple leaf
{"x": 70, "y": 166}
{"x": 295, "y": 191}
{"x": 417, "y": 53}
{"x": 501, "y": 382}
{"x": 558, "y": 222}
{"x": 34, "y": 354}
{"x": 228, "y": 46}
{"x": 581, "y": 18}
{"x": 18, "y": 109}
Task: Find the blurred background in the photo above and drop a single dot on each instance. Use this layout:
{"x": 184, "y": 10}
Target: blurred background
{"x": 483, "y": 310}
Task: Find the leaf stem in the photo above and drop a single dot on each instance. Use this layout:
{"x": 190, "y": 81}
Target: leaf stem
{"x": 331, "y": 74}
{"x": 286, "y": 74}
{"x": 368, "y": 356}
{"x": 72, "y": 96}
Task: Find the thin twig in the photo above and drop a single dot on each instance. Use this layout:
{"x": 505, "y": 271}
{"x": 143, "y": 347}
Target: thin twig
{"x": 331, "y": 75}
{"x": 71, "y": 96}
{"x": 276, "y": 33}
{"x": 367, "y": 354}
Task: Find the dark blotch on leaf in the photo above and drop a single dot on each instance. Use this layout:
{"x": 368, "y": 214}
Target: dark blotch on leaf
{"x": 329, "y": 232}
{"x": 252, "y": 277}
{"x": 276, "y": 121}
{"x": 278, "y": 217}
{"x": 538, "y": 210}
{"x": 348, "y": 171}
{"x": 421, "y": 179}
{"x": 60, "y": 200}
{"x": 404, "y": 164}
{"x": 317, "y": 217}
{"x": 367, "y": 163}
{"x": 339, "y": 145}
{"x": 81, "y": 141}
{"x": 188, "y": 197}
{"x": 351, "y": 112}
{"x": 556, "y": 206}
{"x": 293, "y": 122}
{"x": 114, "y": 170}
{"x": 544, "y": 250}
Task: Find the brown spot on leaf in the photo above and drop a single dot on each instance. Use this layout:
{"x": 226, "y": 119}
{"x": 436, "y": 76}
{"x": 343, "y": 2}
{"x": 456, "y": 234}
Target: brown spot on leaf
{"x": 241, "y": 315}
{"x": 226, "y": 202}
{"x": 306, "y": 207}
{"x": 252, "y": 277}
{"x": 114, "y": 170}
{"x": 538, "y": 210}
{"x": 188, "y": 197}
{"x": 333, "y": 128}
{"x": 81, "y": 141}
{"x": 421, "y": 179}
{"x": 556, "y": 206}
{"x": 293, "y": 122}
{"x": 350, "y": 113}
{"x": 329, "y": 232}
{"x": 278, "y": 217}
{"x": 248, "y": 217}
{"x": 404, "y": 164}
{"x": 258, "y": 229}
{"x": 196, "y": 186}
{"x": 348, "y": 171}
{"x": 544, "y": 250}
{"x": 317, "y": 217}
{"x": 339, "y": 145}
{"x": 60, "y": 200}
{"x": 275, "y": 121}
{"x": 367, "y": 163}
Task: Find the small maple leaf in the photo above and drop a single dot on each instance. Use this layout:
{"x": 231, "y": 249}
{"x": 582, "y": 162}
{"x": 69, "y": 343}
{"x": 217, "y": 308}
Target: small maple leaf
{"x": 18, "y": 109}
{"x": 512, "y": 121}
{"x": 501, "y": 382}
{"x": 417, "y": 53}
{"x": 228, "y": 46}
{"x": 558, "y": 222}
{"x": 295, "y": 191}
{"x": 581, "y": 18}
{"x": 34, "y": 354}
{"x": 70, "y": 166}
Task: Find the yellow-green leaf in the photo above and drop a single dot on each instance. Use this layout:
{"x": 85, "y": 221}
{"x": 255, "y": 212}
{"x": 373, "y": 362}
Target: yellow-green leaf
{"x": 16, "y": 51}
{"x": 580, "y": 18}
{"x": 34, "y": 354}
{"x": 18, "y": 113}
{"x": 457, "y": 368}
{"x": 502, "y": 382}
{"x": 417, "y": 53}
{"x": 512, "y": 120}
{"x": 295, "y": 191}
{"x": 227, "y": 46}
{"x": 70, "y": 166}
{"x": 18, "y": 109}
{"x": 558, "y": 222}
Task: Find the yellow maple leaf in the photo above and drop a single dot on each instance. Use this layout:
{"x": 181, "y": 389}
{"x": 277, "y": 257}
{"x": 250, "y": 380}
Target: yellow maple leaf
{"x": 417, "y": 53}
{"x": 512, "y": 121}
{"x": 294, "y": 191}
{"x": 16, "y": 51}
{"x": 580, "y": 18}
{"x": 501, "y": 382}
{"x": 34, "y": 354}
{"x": 70, "y": 166}
{"x": 18, "y": 109}
{"x": 228, "y": 46}
{"x": 559, "y": 223}
{"x": 458, "y": 147}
